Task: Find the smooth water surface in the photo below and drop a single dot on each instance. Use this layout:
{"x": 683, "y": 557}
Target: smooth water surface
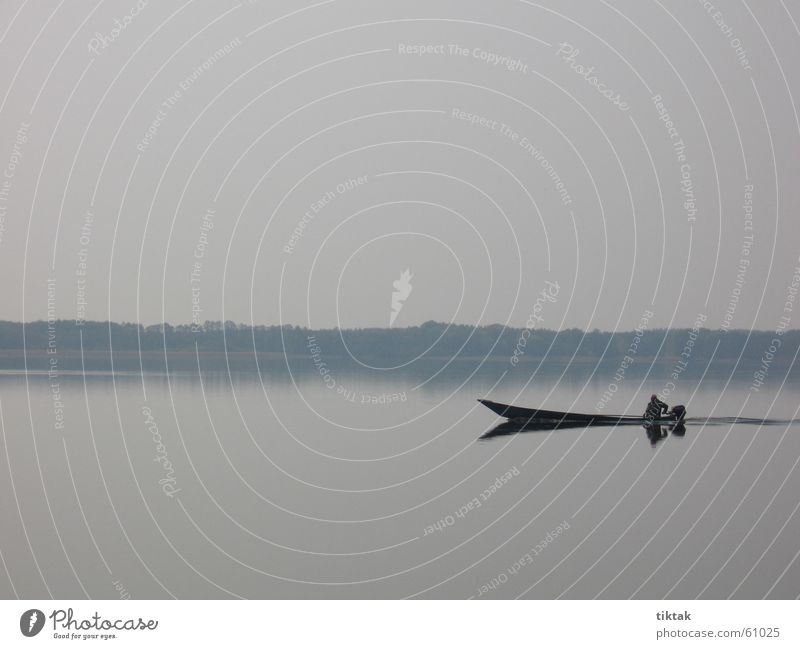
{"x": 231, "y": 485}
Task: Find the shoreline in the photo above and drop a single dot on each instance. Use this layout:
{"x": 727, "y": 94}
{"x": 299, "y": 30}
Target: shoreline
{"x": 71, "y": 361}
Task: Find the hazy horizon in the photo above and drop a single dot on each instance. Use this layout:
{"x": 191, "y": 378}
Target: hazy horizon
{"x": 393, "y": 328}
{"x": 296, "y": 177}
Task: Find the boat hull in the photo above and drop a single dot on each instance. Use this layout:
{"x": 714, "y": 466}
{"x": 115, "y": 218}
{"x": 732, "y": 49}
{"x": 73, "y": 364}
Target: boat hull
{"x": 529, "y": 415}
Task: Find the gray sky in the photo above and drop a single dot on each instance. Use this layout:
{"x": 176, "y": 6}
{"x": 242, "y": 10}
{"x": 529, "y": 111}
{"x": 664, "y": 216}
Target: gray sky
{"x": 487, "y": 147}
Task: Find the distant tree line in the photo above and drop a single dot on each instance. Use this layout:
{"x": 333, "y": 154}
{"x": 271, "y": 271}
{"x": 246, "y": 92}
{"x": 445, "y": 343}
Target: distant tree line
{"x": 433, "y": 339}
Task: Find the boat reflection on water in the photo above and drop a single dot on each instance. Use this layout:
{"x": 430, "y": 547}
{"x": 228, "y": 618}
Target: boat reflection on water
{"x": 655, "y": 433}
{"x": 513, "y": 427}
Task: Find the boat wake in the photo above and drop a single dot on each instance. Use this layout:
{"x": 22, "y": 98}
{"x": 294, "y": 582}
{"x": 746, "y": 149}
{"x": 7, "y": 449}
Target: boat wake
{"x": 723, "y": 421}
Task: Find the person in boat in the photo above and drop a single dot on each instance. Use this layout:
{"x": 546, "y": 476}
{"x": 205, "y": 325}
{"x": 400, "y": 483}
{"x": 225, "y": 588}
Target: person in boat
{"x": 655, "y": 408}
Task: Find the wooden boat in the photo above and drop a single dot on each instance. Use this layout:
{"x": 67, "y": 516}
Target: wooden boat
{"x": 539, "y": 416}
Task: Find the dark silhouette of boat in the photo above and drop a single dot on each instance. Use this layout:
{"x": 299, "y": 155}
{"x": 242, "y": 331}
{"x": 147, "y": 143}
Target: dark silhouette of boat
{"x": 532, "y": 416}
{"x": 536, "y": 419}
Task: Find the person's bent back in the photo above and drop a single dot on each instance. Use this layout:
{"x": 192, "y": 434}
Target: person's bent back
{"x": 655, "y": 408}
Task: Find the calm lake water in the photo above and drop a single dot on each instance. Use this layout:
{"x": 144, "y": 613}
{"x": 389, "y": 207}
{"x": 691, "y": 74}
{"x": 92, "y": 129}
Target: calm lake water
{"x": 373, "y": 486}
